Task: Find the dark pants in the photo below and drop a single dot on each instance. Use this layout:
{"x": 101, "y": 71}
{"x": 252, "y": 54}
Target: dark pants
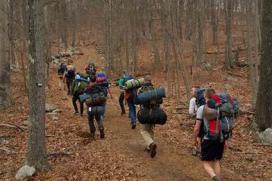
{"x": 132, "y": 112}
{"x": 99, "y": 120}
{"x": 121, "y": 102}
{"x": 69, "y": 84}
{"x": 75, "y": 99}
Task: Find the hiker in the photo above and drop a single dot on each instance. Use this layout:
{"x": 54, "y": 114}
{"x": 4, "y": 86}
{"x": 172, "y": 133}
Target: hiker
{"x": 96, "y": 107}
{"x": 196, "y": 101}
{"x": 130, "y": 96}
{"x": 121, "y": 84}
{"x": 90, "y": 69}
{"x": 207, "y": 135}
{"x": 147, "y": 130}
{"x": 78, "y": 87}
{"x": 69, "y": 77}
{"x": 61, "y": 70}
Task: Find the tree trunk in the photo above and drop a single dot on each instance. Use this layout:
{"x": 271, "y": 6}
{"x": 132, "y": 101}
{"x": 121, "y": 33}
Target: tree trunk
{"x": 264, "y": 102}
{"x": 5, "y": 97}
{"x": 11, "y": 32}
{"x": 228, "y": 48}
{"x": 36, "y": 154}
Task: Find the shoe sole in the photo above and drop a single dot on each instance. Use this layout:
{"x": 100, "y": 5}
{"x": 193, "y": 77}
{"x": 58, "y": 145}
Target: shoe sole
{"x": 153, "y": 151}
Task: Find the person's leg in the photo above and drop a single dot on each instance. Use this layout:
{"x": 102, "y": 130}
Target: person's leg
{"x": 74, "y": 100}
{"x": 132, "y": 114}
{"x": 91, "y": 124}
{"x": 208, "y": 166}
{"x": 81, "y": 106}
{"x": 68, "y": 86}
{"x": 121, "y": 103}
{"x": 99, "y": 119}
{"x": 147, "y": 135}
{"x": 217, "y": 168}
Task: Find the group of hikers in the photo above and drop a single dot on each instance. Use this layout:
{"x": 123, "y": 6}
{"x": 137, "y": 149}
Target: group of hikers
{"x": 93, "y": 89}
{"x": 214, "y": 113}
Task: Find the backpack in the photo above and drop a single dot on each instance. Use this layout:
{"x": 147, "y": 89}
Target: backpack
{"x": 219, "y": 121}
{"x": 200, "y": 97}
{"x": 212, "y": 128}
{"x": 70, "y": 74}
{"x": 98, "y": 97}
{"x": 79, "y": 86}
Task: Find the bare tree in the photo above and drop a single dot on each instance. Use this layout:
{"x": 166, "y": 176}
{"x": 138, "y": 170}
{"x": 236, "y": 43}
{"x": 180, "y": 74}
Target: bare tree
{"x": 36, "y": 154}
{"x": 5, "y": 94}
{"x": 264, "y": 103}
{"x": 228, "y": 47}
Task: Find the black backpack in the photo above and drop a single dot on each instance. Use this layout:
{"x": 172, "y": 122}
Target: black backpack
{"x": 70, "y": 74}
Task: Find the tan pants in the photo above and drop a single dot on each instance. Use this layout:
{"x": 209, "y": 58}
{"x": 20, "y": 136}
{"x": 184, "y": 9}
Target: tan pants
{"x": 147, "y": 132}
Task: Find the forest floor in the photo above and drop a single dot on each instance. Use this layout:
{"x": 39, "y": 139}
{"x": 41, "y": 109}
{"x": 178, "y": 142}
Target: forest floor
{"x": 121, "y": 155}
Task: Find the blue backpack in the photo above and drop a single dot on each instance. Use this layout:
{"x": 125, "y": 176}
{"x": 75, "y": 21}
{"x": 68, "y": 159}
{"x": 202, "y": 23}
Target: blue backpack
{"x": 200, "y": 97}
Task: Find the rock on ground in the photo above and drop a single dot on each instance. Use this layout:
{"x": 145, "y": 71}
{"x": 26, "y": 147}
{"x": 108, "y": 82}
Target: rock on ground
{"x": 25, "y": 171}
{"x": 50, "y": 108}
{"x": 266, "y": 136}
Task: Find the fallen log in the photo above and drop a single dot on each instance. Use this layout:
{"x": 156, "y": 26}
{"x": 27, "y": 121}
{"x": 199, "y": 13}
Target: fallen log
{"x": 10, "y": 125}
{"x": 7, "y": 150}
{"x": 59, "y": 154}
{"x": 235, "y": 74}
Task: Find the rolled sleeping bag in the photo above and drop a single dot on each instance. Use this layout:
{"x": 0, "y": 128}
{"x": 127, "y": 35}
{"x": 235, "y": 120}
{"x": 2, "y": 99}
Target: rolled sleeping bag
{"x": 155, "y": 94}
{"x": 152, "y": 116}
{"x": 83, "y": 97}
{"x": 210, "y": 113}
{"x": 96, "y": 99}
{"x": 134, "y": 83}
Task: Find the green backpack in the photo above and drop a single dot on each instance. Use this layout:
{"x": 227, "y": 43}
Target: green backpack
{"x": 79, "y": 86}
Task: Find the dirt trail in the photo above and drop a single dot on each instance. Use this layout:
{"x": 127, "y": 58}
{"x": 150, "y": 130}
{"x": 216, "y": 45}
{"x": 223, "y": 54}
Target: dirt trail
{"x": 121, "y": 155}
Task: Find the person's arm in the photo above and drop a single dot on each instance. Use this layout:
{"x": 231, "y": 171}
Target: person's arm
{"x": 109, "y": 91}
{"x": 197, "y": 128}
{"x": 196, "y": 132}
{"x": 192, "y": 106}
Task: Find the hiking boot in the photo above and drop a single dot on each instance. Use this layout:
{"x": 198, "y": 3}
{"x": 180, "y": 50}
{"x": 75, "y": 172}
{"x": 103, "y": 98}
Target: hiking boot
{"x": 153, "y": 150}
{"x": 215, "y": 178}
{"x": 123, "y": 113}
{"x": 92, "y": 135}
{"x": 102, "y": 134}
{"x": 76, "y": 113}
{"x": 133, "y": 126}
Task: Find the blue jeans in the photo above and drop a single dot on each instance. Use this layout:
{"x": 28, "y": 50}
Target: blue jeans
{"x": 132, "y": 112}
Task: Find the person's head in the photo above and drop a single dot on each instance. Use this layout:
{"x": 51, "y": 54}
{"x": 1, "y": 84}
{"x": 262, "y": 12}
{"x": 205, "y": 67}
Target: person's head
{"x": 209, "y": 93}
{"x": 92, "y": 78}
{"x": 193, "y": 91}
{"x": 124, "y": 73}
{"x": 147, "y": 79}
